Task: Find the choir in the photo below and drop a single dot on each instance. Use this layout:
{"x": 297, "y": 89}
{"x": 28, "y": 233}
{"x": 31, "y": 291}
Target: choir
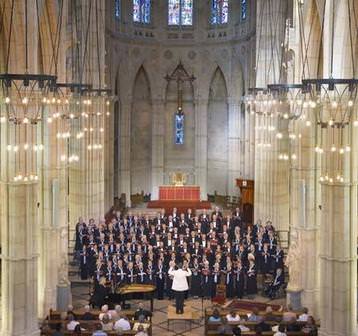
{"x": 219, "y": 250}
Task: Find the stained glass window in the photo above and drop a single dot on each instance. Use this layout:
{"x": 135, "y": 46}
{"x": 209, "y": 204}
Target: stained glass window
{"x": 179, "y": 128}
{"x": 141, "y": 11}
{"x": 117, "y": 9}
{"x": 180, "y": 12}
{"x": 219, "y": 11}
{"x": 243, "y": 9}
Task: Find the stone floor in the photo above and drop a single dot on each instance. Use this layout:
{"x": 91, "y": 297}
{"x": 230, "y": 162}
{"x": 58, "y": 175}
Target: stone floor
{"x": 80, "y": 297}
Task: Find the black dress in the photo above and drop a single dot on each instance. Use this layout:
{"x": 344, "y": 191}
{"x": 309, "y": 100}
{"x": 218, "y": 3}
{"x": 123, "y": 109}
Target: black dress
{"x": 206, "y": 283}
{"x": 239, "y": 282}
{"x": 195, "y": 288}
{"x": 251, "y": 280}
{"x": 229, "y": 282}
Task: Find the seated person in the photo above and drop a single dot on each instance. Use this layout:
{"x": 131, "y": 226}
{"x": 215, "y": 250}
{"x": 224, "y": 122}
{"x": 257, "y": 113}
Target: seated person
{"x": 107, "y": 324}
{"x": 215, "y": 317}
{"x": 236, "y": 331}
{"x": 224, "y": 328}
{"x": 281, "y": 331}
{"x": 104, "y": 311}
{"x": 276, "y": 283}
{"x": 292, "y": 325}
{"x": 262, "y": 325}
{"x": 310, "y": 328}
{"x": 99, "y": 332}
{"x": 88, "y": 316}
{"x": 254, "y": 316}
{"x": 114, "y": 313}
{"x": 304, "y": 316}
{"x": 141, "y": 311}
{"x": 71, "y": 325}
{"x": 122, "y": 324}
{"x": 58, "y": 331}
{"x": 233, "y": 316}
{"x": 141, "y": 331}
{"x": 270, "y": 316}
{"x": 289, "y": 314}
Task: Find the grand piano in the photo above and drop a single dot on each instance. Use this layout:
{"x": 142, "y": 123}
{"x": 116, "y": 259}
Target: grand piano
{"x": 133, "y": 291}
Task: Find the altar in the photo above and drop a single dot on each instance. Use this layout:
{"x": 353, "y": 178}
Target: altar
{"x": 179, "y": 193}
{"x": 181, "y": 197}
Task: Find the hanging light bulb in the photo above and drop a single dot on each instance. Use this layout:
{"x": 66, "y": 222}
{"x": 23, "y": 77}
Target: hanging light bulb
{"x": 25, "y": 100}
{"x": 333, "y": 148}
{"x": 7, "y": 100}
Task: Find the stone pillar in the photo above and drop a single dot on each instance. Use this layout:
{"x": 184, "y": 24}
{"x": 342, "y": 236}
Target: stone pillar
{"x": 125, "y": 147}
{"x": 19, "y": 244}
{"x": 234, "y": 107}
{"x": 158, "y": 146}
{"x": 201, "y": 145}
{"x": 53, "y": 214}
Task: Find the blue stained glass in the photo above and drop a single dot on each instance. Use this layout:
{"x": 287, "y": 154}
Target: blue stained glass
{"x": 180, "y": 12}
{"x": 141, "y": 11}
{"x": 117, "y": 9}
{"x": 243, "y": 9}
{"x": 179, "y": 128}
{"x": 174, "y": 12}
{"x": 187, "y": 12}
{"x": 219, "y": 11}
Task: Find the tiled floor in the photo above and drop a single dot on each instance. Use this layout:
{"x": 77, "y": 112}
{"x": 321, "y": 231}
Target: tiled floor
{"x": 80, "y": 298}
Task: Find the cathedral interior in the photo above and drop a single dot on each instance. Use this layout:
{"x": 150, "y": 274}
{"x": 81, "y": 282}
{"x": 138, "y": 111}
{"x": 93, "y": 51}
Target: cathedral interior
{"x": 221, "y": 134}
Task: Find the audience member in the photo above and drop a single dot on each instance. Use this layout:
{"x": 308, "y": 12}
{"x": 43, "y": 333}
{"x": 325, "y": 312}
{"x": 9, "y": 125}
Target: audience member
{"x": 310, "y": 328}
{"x": 88, "y": 316}
{"x": 99, "y": 332}
{"x": 224, "y": 328}
{"x": 263, "y": 326}
{"x": 122, "y": 324}
{"x": 289, "y": 314}
{"x": 77, "y": 331}
{"x": 104, "y": 311}
{"x": 71, "y": 325}
{"x": 233, "y": 316}
{"x": 141, "y": 331}
{"x": 236, "y": 331}
{"x": 107, "y": 324}
{"x": 270, "y": 316}
{"x": 292, "y": 325}
{"x": 254, "y": 316}
{"x": 141, "y": 311}
{"x": 215, "y": 317}
{"x": 304, "y": 316}
{"x": 114, "y": 313}
{"x": 58, "y": 331}
{"x": 281, "y": 330}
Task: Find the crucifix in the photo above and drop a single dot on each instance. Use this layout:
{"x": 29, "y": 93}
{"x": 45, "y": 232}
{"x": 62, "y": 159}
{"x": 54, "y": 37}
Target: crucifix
{"x": 180, "y": 76}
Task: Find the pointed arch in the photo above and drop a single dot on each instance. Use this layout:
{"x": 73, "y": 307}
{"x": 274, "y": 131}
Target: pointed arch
{"x": 141, "y": 134}
{"x": 218, "y": 131}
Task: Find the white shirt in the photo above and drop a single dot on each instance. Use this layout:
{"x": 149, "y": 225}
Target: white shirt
{"x": 180, "y": 283}
{"x": 72, "y": 325}
{"x": 231, "y": 318}
{"x": 303, "y": 317}
{"x": 122, "y": 324}
{"x": 279, "y": 333}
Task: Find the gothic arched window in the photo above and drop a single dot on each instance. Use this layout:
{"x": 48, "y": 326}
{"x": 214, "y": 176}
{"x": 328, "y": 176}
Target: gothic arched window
{"x": 141, "y": 11}
{"x": 180, "y": 12}
{"x": 243, "y": 9}
{"x": 117, "y": 9}
{"x": 219, "y": 12}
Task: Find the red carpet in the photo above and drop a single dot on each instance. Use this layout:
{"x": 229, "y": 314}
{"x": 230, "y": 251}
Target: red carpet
{"x": 182, "y": 206}
{"x": 249, "y": 305}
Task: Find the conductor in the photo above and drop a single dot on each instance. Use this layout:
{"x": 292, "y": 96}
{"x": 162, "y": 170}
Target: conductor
{"x": 180, "y": 284}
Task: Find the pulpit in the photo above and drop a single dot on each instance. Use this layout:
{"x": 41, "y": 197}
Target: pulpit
{"x": 247, "y": 199}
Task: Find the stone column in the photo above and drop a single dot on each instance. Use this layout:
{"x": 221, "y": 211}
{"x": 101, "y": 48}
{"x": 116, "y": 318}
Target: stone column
{"x": 158, "y": 146}
{"x": 234, "y": 152}
{"x": 201, "y": 145}
{"x": 125, "y": 147}
{"x": 19, "y": 245}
